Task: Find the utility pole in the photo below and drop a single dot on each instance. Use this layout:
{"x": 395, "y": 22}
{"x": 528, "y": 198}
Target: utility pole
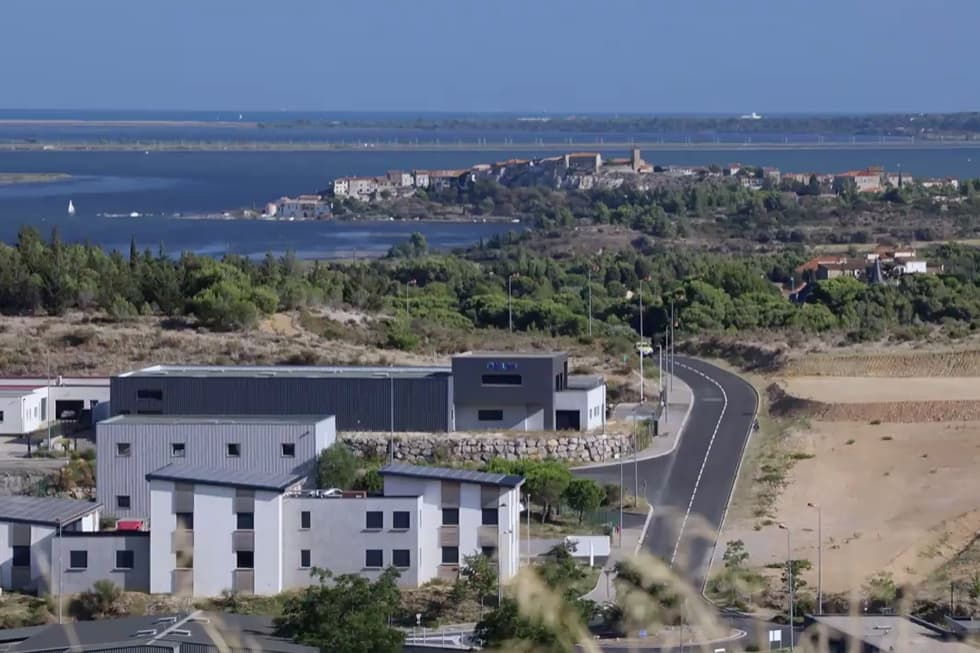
{"x": 673, "y": 348}
{"x": 391, "y": 406}
{"x": 641, "y": 344}
{"x": 410, "y": 282}
{"x": 47, "y": 408}
{"x": 510, "y": 310}
{"x": 789, "y": 578}
{"x": 621, "y": 499}
{"x": 528, "y": 529}
{"x": 636, "y": 467}
{"x": 819, "y": 556}
{"x": 61, "y": 575}
{"x": 590, "y": 300}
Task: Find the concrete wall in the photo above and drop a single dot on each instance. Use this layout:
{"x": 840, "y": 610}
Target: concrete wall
{"x": 163, "y": 523}
{"x": 205, "y": 444}
{"x": 214, "y": 523}
{"x": 269, "y": 539}
{"x": 515, "y": 418}
{"x": 360, "y": 403}
{"x": 101, "y": 548}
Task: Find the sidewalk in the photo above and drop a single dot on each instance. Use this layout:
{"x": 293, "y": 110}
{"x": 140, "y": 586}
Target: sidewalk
{"x": 605, "y": 589}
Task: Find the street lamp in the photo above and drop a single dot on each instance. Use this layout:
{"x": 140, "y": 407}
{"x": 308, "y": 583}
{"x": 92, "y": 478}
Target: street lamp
{"x": 789, "y": 578}
{"x": 410, "y": 282}
{"x": 636, "y": 467}
{"x": 621, "y": 454}
{"x": 510, "y": 310}
{"x": 819, "y": 556}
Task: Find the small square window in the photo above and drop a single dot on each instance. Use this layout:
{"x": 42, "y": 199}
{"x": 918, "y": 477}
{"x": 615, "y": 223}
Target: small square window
{"x": 185, "y": 559}
{"x": 244, "y": 559}
{"x": 1, "y": 415}
{"x": 123, "y": 449}
{"x": 490, "y": 516}
{"x": 185, "y": 521}
{"x": 374, "y": 520}
{"x": 288, "y": 449}
{"x": 78, "y": 559}
{"x": 304, "y": 519}
{"x": 150, "y": 394}
{"x": 488, "y": 551}
{"x": 490, "y": 415}
{"x": 450, "y": 516}
{"x": 245, "y": 521}
{"x": 21, "y": 556}
{"x": 401, "y": 520}
{"x": 304, "y": 558}
{"x": 450, "y": 555}
{"x": 178, "y": 449}
{"x": 401, "y": 558}
{"x": 124, "y": 559}
{"x": 374, "y": 558}
{"x": 122, "y": 501}
{"x": 234, "y": 450}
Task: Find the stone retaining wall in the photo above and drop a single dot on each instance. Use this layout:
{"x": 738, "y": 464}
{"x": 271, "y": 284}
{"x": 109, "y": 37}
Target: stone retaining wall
{"x": 428, "y": 448}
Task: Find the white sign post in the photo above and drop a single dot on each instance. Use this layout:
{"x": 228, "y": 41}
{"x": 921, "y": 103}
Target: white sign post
{"x": 775, "y": 637}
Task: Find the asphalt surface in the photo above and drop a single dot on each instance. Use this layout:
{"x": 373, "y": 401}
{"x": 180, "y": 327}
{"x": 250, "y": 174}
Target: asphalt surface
{"x": 689, "y": 489}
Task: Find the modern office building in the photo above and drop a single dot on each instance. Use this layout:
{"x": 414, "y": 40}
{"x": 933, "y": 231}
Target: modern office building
{"x": 480, "y": 391}
{"x": 28, "y": 526}
{"x": 262, "y": 532}
{"x": 128, "y": 447}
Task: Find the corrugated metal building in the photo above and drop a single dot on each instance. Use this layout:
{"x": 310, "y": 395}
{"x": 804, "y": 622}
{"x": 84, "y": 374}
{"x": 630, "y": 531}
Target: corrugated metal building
{"x": 361, "y": 398}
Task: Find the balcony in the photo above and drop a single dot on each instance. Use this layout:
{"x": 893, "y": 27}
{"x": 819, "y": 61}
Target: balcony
{"x": 243, "y": 541}
{"x": 487, "y": 536}
{"x": 243, "y": 580}
{"x": 182, "y": 541}
{"x": 183, "y": 582}
{"x": 449, "y": 536}
{"x": 448, "y": 572}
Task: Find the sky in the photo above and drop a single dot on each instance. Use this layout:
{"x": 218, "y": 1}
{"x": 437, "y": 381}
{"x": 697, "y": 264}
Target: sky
{"x": 535, "y": 56}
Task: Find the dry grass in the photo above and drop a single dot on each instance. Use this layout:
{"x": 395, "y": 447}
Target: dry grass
{"x": 857, "y": 390}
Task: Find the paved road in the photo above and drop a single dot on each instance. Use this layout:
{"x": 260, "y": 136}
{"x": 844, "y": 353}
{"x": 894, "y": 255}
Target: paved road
{"x": 690, "y": 488}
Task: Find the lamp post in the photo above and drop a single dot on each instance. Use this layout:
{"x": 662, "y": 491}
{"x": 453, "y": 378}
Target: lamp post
{"x": 620, "y": 499}
{"x": 410, "y": 282}
{"x": 640, "y": 293}
{"x": 528, "y": 529}
{"x": 819, "y": 556}
{"x": 590, "y": 300}
{"x": 673, "y": 348}
{"x": 391, "y": 423}
{"x": 510, "y": 310}
{"x": 789, "y": 579}
{"x": 636, "y": 467}
{"x": 61, "y": 576}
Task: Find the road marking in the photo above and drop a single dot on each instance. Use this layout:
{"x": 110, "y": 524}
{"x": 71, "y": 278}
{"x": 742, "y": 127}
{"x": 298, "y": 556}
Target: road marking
{"x": 711, "y": 442}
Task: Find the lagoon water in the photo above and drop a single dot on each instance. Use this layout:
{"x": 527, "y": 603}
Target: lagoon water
{"x": 159, "y": 185}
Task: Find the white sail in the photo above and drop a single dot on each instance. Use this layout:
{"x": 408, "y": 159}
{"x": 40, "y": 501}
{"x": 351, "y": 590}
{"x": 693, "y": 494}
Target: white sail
{"x": 71, "y": 208}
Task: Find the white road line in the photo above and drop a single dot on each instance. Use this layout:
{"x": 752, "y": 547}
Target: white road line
{"x": 704, "y": 462}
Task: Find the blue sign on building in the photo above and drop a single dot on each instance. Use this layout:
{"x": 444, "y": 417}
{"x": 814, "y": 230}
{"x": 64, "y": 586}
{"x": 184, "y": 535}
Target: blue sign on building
{"x": 500, "y": 365}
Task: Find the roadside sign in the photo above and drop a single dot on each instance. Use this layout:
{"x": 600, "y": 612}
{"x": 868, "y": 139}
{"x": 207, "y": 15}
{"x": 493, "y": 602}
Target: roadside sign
{"x": 643, "y": 634}
{"x": 775, "y": 637}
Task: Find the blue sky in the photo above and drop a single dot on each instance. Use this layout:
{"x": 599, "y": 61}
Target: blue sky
{"x": 492, "y": 55}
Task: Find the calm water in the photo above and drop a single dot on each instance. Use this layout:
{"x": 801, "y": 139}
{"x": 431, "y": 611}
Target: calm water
{"x": 161, "y": 184}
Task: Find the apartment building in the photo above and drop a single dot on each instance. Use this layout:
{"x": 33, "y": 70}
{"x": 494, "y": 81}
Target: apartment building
{"x": 128, "y": 447}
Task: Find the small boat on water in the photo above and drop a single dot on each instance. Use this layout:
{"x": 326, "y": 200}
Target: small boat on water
{"x": 71, "y": 208}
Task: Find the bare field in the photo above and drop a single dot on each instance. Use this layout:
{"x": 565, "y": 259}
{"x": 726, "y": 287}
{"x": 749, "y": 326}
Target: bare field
{"x": 857, "y": 390}
{"x": 893, "y": 362}
{"x": 900, "y": 498}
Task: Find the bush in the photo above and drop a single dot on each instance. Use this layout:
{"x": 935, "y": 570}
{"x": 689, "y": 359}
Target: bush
{"x": 399, "y": 336}
{"x": 337, "y": 467}
{"x": 100, "y": 602}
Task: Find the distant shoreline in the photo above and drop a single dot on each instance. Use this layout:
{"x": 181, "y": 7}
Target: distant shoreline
{"x": 81, "y": 122}
{"x": 11, "y": 178}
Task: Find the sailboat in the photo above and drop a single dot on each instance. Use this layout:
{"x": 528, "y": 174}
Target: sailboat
{"x": 71, "y": 208}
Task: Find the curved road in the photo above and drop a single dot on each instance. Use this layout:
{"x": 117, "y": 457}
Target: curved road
{"x": 690, "y": 488}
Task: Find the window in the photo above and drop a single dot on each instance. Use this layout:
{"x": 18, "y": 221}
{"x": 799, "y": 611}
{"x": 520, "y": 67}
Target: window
{"x": 373, "y": 558}
{"x": 21, "y": 556}
{"x": 150, "y": 394}
{"x": 122, "y": 501}
{"x": 78, "y": 559}
{"x": 178, "y": 449}
{"x": 304, "y": 558}
{"x": 185, "y": 560}
{"x": 495, "y": 415}
{"x": 244, "y": 559}
{"x": 288, "y": 450}
{"x": 450, "y": 555}
{"x": 450, "y": 516}
{"x": 488, "y": 551}
{"x": 490, "y": 516}
{"x": 401, "y": 558}
{"x": 234, "y": 450}
{"x": 502, "y": 379}
{"x": 375, "y": 519}
{"x": 304, "y": 519}
{"x": 124, "y": 559}
{"x": 185, "y": 521}
{"x": 401, "y": 520}
{"x": 246, "y": 521}
{"x": 123, "y": 449}
{"x": 1, "y": 415}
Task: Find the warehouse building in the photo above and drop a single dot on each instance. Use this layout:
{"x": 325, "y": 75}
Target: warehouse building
{"x": 29, "y": 404}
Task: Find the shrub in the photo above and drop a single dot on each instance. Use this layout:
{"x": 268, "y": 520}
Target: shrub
{"x": 337, "y": 467}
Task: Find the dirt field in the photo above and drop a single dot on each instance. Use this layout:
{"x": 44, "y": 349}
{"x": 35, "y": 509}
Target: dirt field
{"x": 858, "y": 390}
{"x": 899, "y": 361}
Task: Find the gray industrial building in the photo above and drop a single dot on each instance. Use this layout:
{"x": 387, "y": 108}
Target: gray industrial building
{"x": 480, "y": 391}
{"x": 128, "y": 447}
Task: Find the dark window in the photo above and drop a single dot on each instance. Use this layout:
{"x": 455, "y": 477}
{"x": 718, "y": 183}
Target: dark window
{"x": 122, "y": 448}
{"x": 401, "y": 558}
{"x": 450, "y": 555}
{"x": 304, "y": 519}
{"x": 502, "y": 379}
{"x": 401, "y": 520}
{"x": 288, "y": 450}
{"x": 124, "y": 559}
{"x": 1, "y": 415}
{"x": 375, "y": 520}
{"x": 185, "y": 560}
{"x": 122, "y": 501}
{"x": 488, "y": 415}
{"x": 490, "y": 516}
{"x": 234, "y": 450}
{"x": 149, "y": 412}
{"x": 374, "y": 558}
{"x": 185, "y": 521}
{"x": 78, "y": 559}
{"x": 450, "y": 516}
{"x": 150, "y": 394}
{"x": 244, "y": 559}
{"x": 21, "y": 556}
{"x": 246, "y": 521}
{"x": 488, "y": 551}
{"x": 178, "y": 449}
{"x": 304, "y": 558}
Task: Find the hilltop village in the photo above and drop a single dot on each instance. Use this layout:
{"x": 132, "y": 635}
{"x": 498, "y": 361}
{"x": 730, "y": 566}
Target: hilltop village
{"x": 585, "y": 171}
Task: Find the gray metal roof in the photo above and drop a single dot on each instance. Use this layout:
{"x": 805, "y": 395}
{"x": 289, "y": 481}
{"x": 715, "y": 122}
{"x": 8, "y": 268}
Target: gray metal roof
{"x": 216, "y": 419}
{"x": 584, "y": 381}
{"x": 226, "y": 477}
{"x": 512, "y": 354}
{"x": 44, "y": 510}
{"x": 893, "y": 633}
{"x": 286, "y": 371}
{"x": 216, "y": 630}
{"x": 449, "y": 474}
